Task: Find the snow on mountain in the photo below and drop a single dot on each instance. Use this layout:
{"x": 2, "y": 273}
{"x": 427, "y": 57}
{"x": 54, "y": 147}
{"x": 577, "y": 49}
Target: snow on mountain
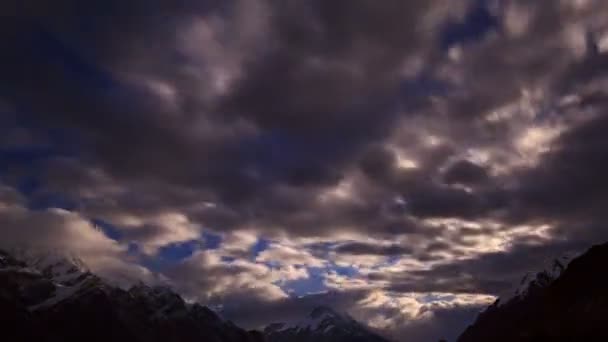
{"x": 67, "y": 275}
{"x": 61, "y": 294}
{"x": 535, "y": 280}
{"x": 9, "y": 264}
{"x": 53, "y": 297}
{"x": 320, "y": 317}
{"x": 164, "y": 301}
{"x": 61, "y": 267}
{"x": 322, "y": 324}
{"x": 562, "y": 303}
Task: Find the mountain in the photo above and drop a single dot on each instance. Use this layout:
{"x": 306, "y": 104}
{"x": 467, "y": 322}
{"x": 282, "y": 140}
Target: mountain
{"x": 533, "y": 281}
{"x": 568, "y": 305}
{"x": 50, "y": 298}
{"x": 322, "y": 324}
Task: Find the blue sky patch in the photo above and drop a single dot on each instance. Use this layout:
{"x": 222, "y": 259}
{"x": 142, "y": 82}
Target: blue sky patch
{"x": 108, "y": 229}
{"x": 211, "y": 241}
{"x": 260, "y": 246}
{"x": 313, "y": 284}
{"x": 347, "y": 271}
{"x": 179, "y": 251}
{"x": 430, "y": 298}
{"x": 477, "y": 23}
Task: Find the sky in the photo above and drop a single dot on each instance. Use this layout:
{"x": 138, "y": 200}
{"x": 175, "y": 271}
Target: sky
{"x": 403, "y": 161}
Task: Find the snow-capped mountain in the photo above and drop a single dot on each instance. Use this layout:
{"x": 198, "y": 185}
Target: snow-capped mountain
{"x": 533, "y": 281}
{"x": 51, "y": 297}
{"x": 322, "y": 324}
{"x": 565, "y": 303}
{"x": 61, "y": 267}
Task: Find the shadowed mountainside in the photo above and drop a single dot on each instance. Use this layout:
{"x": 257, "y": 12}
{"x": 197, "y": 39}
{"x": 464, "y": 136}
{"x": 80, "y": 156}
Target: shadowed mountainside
{"x": 321, "y": 325}
{"x": 572, "y": 307}
{"x": 62, "y": 301}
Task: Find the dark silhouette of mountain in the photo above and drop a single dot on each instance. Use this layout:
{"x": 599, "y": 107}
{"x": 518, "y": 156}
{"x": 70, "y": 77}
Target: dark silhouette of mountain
{"x": 322, "y": 325}
{"x": 570, "y": 307}
{"x": 53, "y": 299}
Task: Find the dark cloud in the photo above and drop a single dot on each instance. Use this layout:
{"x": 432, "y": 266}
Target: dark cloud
{"x": 465, "y": 172}
{"x": 494, "y": 273}
{"x": 358, "y": 248}
{"x": 445, "y": 202}
{"x": 378, "y": 162}
{"x": 445, "y": 323}
{"x": 569, "y": 181}
{"x": 414, "y": 131}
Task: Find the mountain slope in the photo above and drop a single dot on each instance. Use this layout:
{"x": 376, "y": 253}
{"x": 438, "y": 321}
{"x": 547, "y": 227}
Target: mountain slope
{"x": 56, "y": 299}
{"x": 322, "y": 324}
{"x": 531, "y": 282}
{"x": 572, "y": 307}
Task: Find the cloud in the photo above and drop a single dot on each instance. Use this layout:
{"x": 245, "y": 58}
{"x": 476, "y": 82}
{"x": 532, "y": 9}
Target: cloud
{"x": 161, "y": 230}
{"x": 206, "y": 277}
{"x": 289, "y": 255}
{"x": 420, "y": 318}
{"x": 441, "y": 322}
{"x": 58, "y": 230}
{"x": 324, "y": 142}
{"x": 358, "y": 248}
{"x": 465, "y": 172}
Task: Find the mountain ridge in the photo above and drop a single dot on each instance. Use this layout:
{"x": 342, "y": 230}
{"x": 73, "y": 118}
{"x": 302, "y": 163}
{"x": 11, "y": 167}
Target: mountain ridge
{"x": 58, "y": 299}
{"x": 571, "y": 307}
{"x": 533, "y": 281}
{"x": 321, "y": 324}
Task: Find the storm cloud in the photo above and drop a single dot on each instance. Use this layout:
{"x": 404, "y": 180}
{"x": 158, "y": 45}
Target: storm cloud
{"x": 408, "y": 160}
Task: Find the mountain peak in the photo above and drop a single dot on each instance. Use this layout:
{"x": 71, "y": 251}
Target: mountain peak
{"x": 38, "y": 307}
{"x": 62, "y": 267}
{"x": 323, "y": 311}
{"x": 561, "y": 304}
{"x": 533, "y": 281}
{"x": 321, "y": 324}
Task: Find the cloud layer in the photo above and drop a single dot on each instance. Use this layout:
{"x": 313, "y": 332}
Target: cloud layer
{"x": 405, "y": 161}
